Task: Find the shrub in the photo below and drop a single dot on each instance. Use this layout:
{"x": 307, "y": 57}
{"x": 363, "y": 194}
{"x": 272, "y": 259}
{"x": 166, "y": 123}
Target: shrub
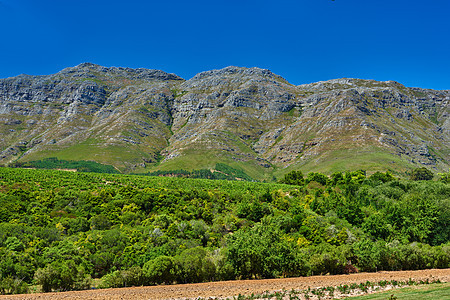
{"x": 421, "y": 174}
{"x": 123, "y": 278}
{"x": 317, "y": 177}
{"x": 193, "y": 265}
{"x": 382, "y": 177}
{"x": 112, "y": 280}
{"x": 10, "y": 285}
{"x": 293, "y": 178}
{"x": 328, "y": 259}
{"x": 133, "y": 276}
{"x": 62, "y": 276}
{"x": 160, "y": 270}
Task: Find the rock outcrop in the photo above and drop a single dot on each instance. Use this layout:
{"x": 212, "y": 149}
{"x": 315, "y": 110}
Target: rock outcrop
{"x": 137, "y": 119}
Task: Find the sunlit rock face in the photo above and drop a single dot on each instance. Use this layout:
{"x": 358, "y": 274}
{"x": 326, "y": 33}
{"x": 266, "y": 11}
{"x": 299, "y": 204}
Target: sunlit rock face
{"x": 140, "y": 119}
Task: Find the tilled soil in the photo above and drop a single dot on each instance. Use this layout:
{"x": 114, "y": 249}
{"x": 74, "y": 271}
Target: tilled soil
{"x": 233, "y": 288}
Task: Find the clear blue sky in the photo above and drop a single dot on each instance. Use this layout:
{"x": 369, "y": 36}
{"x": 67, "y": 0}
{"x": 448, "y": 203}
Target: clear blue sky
{"x": 302, "y": 40}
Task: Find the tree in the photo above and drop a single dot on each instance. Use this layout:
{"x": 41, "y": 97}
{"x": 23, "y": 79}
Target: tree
{"x": 194, "y": 266}
{"x": 383, "y": 177}
{"x": 445, "y": 177}
{"x": 62, "y": 276}
{"x": 262, "y": 252}
{"x": 10, "y": 285}
{"x": 317, "y": 177}
{"x": 159, "y": 270}
{"x": 293, "y": 178}
{"x": 377, "y": 226}
{"x": 421, "y": 174}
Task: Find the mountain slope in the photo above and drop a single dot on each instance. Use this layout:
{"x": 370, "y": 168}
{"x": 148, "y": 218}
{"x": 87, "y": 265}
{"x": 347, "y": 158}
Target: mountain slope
{"x": 115, "y": 116}
{"x": 140, "y": 120}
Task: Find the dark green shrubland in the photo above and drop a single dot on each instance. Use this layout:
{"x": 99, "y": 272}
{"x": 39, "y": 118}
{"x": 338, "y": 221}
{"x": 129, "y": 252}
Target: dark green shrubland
{"x": 60, "y": 229}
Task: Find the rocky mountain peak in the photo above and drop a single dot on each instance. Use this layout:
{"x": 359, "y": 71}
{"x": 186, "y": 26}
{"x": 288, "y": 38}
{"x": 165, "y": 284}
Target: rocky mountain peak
{"x": 232, "y": 76}
{"x": 350, "y": 83}
{"x": 90, "y": 70}
{"x": 240, "y": 71}
{"x": 142, "y": 119}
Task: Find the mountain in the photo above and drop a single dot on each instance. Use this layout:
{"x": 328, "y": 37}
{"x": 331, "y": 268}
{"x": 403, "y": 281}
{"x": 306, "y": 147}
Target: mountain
{"x": 141, "y": 120}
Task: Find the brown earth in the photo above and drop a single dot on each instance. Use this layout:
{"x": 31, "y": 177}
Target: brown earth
{"x": 233, "y": 288}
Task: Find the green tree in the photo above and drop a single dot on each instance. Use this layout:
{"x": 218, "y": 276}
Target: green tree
{"x": 10, "y": 285}
{"x": 371, "y": 256}
{"x": 383, "y": 177}
{"x": 194, "y": 266}
{"x": 162, "y": 269}
{"x": 377, "y": 226}
{"x": 445, "y": 177}
{"x": 421, "y": 174}
{"x": 62, "y": 276}
{"x": 262, "y": 252}
{"x": 419, "y": 216}
{"x": 324, "y": 258}
{"x": 293, "y": 178}
{"x": 317, "y": 177}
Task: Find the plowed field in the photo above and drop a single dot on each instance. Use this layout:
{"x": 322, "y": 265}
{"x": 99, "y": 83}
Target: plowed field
{"x": 233, "y": 288}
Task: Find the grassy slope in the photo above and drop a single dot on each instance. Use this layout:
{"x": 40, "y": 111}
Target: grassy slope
{"x": 370, "y": 159}
{"x": 208, "y": 160}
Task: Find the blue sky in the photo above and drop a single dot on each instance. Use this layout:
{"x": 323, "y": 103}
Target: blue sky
{"x": 303, "y": 40}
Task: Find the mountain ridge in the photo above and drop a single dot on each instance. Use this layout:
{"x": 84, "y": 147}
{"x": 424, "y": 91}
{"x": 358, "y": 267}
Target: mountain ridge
{"x": 141, "y": 120}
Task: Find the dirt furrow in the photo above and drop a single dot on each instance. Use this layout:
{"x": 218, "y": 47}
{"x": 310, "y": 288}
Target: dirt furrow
{"x": 233, "y": 288}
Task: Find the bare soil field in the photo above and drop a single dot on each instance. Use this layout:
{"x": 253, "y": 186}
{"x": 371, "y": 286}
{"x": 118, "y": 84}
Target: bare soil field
{"x": 234, "y": 288}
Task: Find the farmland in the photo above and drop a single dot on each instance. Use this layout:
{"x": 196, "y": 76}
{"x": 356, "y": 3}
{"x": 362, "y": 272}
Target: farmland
{"x": 245, "y": 288}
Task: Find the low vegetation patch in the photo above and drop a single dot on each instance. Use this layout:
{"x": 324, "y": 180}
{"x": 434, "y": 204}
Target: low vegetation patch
{"x": 429, "y": 292}
{"x": 78, "y": 165}
{"x": 220, "y": 172}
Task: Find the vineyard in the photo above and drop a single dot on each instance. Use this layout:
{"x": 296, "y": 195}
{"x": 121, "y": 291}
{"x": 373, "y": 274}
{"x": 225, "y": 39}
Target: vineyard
{"x": 63, "y": 231}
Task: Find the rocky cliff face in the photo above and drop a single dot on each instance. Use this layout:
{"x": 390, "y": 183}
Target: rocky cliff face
{"x": 139, "y": 119}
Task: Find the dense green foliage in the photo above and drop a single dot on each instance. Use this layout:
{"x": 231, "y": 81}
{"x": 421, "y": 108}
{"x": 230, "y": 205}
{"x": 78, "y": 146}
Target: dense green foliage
{"x": 79, "y": 165}
{"x": 58, "y": 229}
{"x": 293, "y": 178}
{"x": 445, "y": 177}
{"x": 421, "y": 174}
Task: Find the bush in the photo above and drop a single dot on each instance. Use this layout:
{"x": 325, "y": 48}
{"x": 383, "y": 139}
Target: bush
{"x": 112, "y": 280}
{"x": 372, "y": 257}
{"x": 100, "y": 222}
{"x": 261, "y": 252}
{"x": 62, "y": 276}
{"x": 10, "y": 285}
{"x": 317, "y": 177}
{"x": 253, "y": 211}
{"x": 123, "y": 278}
{"x": 421, "y": 174}
{"x": 225, "y": 270}
{"x": 324, "y": 258}
{"x": 48, "y": 277}
{"x": 133, "y": 276}
{"x": 293, "y": 178}
{"x": 444, "y": 177}
{"x": 160, "y": 270}
{"x": 193, "y": 265}
{"x": 382, "y": 177}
